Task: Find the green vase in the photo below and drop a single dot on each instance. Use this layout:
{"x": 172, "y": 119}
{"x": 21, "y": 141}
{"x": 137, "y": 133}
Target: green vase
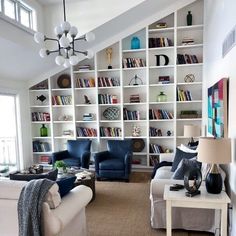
{"x": 43, "y": 131}
{"x": 162, "y": 97}
{"x": 189, "y": 18}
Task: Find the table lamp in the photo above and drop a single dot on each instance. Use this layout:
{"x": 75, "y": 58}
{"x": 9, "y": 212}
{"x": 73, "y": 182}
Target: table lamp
{"x": 191, "y": 131}
{"x": 214, "y": 151}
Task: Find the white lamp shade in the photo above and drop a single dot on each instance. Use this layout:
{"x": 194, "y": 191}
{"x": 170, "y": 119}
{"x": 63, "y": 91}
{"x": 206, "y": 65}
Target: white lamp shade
{"x": 214, "y": 151}
{"x": 60, "y": 60}
{"x": 74, "y": 60}
{"x": 64, "y": 42}
{"x": 90, "y": 36}
{"x": 39, "y": 37}
{"x": 43, "y": 52}
{"x": 73, "y": 31}
{"x": 58, "y": 30}
{"x": 65, "y": 26}
{"x": 191, "y": 131}
{"x": 90, "y": 54}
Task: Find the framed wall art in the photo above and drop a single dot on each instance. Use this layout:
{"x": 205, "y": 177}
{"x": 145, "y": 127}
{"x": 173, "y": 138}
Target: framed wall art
{"x": 218, "y": 109}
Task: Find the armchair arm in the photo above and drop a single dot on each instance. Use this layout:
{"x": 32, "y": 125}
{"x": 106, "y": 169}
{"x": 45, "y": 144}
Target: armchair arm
{"x": 85, "y": 158}
{"x": 58, "y": 156}
{"x": 56, "y": 219}
{"x": 98, "y": 157}
{"x": 128, "y": 161}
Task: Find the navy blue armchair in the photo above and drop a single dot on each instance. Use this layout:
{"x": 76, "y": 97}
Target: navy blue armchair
{"x": 115, "y": 163}
{"x": 77, "y": 154}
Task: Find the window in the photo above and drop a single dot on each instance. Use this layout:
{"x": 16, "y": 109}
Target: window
{"x": 8, "y": 135}
{"x": 18, "y": 11}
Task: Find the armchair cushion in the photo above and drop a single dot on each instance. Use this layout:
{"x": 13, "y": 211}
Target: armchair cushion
{"x": 112, "y": 164}
{"x": 72, "y": 161}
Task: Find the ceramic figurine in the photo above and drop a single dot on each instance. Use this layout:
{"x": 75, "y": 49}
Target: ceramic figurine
{"x": 109, "y": 56}
{"x": 136, "y": 131}
{"x": 86, "y": 100}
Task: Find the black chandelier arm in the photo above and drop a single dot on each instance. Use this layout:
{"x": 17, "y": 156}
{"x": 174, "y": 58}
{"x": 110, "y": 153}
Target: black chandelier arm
{"x": 50, "y": 39}
{"x": 80, "y": 38}
{"x": 82, "y": 52}
{"x": 52, "y": 51}
{"x": 64, "y": 10}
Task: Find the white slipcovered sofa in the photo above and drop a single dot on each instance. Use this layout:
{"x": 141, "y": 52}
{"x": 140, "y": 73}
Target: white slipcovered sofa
{"x": 68, "y": 218}
{"x": 207, "y": 220}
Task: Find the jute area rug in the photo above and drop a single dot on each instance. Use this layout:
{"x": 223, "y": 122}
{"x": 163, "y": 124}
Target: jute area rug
{"x": 123, "y": 209}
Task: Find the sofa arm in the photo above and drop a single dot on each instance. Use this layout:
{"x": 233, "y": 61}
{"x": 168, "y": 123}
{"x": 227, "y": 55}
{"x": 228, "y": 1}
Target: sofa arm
{"x": 54, "y": 220}
{"x": 58, "y": 156}
{"x": 100, "y": 156}
{"x": 157, "y": 186}
{"x": 85, "y": 159}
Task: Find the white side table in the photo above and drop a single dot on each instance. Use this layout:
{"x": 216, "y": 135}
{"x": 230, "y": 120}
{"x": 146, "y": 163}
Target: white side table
{"x": 204, "y": 200}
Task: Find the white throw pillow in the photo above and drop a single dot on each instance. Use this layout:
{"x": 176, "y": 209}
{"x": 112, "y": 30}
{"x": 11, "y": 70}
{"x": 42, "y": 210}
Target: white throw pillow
{"x": 53, "y": 197}
{"x": 184, "y": 148}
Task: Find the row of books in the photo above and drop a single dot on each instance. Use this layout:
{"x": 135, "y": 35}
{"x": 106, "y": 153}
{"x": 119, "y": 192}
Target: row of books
{"x": 154, "y": 160}
{"x": 186, "y": 59}
{"x": 107, "y": 99}
{"x": 155, "y": 148}
{"x": 110, "y": 132}
{"x": 108, "y": 82}
{"x": 133, "y": 62}
{"x": 62, "y": 100}
{"x": 153, "y": 132}
{"x": 85, "y": 83}
{"x": 160, "y": 114}
{"x": 159, "y": 42}
{"x": 40, "y": 116}
{"x": 134, "y": 98}
{"x": 39, "y": 146}
{"x": 86, "y": 132}
{"x": 183, "y": 95}
{"x": 131, "y": 115}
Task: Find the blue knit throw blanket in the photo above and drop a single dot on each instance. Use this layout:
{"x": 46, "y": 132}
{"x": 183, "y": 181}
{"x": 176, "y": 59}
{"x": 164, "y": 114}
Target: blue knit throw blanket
{"x": 30, "y": 205}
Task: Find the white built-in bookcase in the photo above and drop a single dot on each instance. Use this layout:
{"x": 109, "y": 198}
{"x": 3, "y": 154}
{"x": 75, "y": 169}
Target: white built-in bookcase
{"x": 176, "y": 30}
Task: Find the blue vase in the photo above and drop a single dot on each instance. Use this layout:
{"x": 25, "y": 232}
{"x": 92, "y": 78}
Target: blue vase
{"x": 135, "y": 43}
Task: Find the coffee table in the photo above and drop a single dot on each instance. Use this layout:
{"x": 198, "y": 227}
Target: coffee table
{"x": 203, "y": 200}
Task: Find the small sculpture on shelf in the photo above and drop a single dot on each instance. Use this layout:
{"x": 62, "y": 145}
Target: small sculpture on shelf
{"x": 136, "y": 81}
{"x": 109, "y": 57}
{"x": 136, "y": 131}
{"x": 43, "y": 131}
{"x": 86, "y": 100}
{"x": 41, "y": 98}
{"x": 135, "y": 43}
{"x": 65, "y": 118}
{"x": 168, "y": 133}
{"x": 159, "y": 132}
{"x": 158, "y": 60}
{"x": 189, "y": 18}
{"x": 189, "y": 78}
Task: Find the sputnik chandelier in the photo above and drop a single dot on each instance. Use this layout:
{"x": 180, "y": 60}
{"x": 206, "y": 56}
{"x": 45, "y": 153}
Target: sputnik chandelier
{"x": 66, "y": 38}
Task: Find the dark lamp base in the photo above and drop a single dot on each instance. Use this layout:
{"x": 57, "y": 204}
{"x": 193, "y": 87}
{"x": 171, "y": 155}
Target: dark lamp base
{"x": 109, "y": 67}
{"x": 214, "y": 183}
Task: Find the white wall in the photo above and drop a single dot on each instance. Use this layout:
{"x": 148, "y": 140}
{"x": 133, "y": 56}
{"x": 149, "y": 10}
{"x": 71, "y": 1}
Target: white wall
{"x": 86, "y": 15}
{"x": 20, "y": 89}
{"x": 220, "y": 18}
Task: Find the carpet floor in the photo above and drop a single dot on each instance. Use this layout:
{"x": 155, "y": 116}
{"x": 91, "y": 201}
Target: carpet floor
{"x": 123, "y": 209}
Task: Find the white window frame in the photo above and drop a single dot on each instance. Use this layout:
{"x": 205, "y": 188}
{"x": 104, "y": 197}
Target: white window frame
{"x": 18, "y": 6}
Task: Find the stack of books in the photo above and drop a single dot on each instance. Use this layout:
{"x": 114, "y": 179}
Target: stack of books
{"x": 164, "y": 79}
{"x": 186, "y": 59}
{"x": 134, "y": 98}
{"x": 84, "y": 67}
{"x": 88, "y": 117}
{"x": 187, "y": 41}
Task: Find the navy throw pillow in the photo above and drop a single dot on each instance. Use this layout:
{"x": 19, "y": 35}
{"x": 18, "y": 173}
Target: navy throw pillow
{"x": 184, "y": 165}
{"x": 65, "y": 185}
{"x": 179, "y": 155}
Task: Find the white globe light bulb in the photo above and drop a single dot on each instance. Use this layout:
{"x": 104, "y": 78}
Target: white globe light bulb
{"x": 39, "y": 37}
{"x": 90, "y": 54}
{"x": 89, "y": 36}
{"x": 74, "y": 60}
{"x": 64, "y": 42}
{"x": 58, "y": 30}
{"x": 43, "y": 52}
{"x": 65, "y": 26}
{"x": 73, "y": 31}
{"x": 60, "y": 60}
{"x": 66, "y": 63}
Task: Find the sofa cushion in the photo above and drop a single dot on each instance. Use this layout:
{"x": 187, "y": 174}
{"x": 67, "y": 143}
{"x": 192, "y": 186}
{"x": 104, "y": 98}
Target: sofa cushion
{"x": 185, "y": 165}
{"x": 163, "y": 173}
{"x": 179, "y": 155}
{"x": 11, "y": 189}
{"x": 112, "y": 164}
{"x": 53, "y": 197}
{"x": 65, "y": 185}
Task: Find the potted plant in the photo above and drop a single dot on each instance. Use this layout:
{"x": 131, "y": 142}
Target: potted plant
{"x": 61, "y": 166}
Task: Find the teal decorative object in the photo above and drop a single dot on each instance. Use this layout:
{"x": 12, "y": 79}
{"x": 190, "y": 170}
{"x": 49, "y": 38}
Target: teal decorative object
{"x": 135, "y": 43}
